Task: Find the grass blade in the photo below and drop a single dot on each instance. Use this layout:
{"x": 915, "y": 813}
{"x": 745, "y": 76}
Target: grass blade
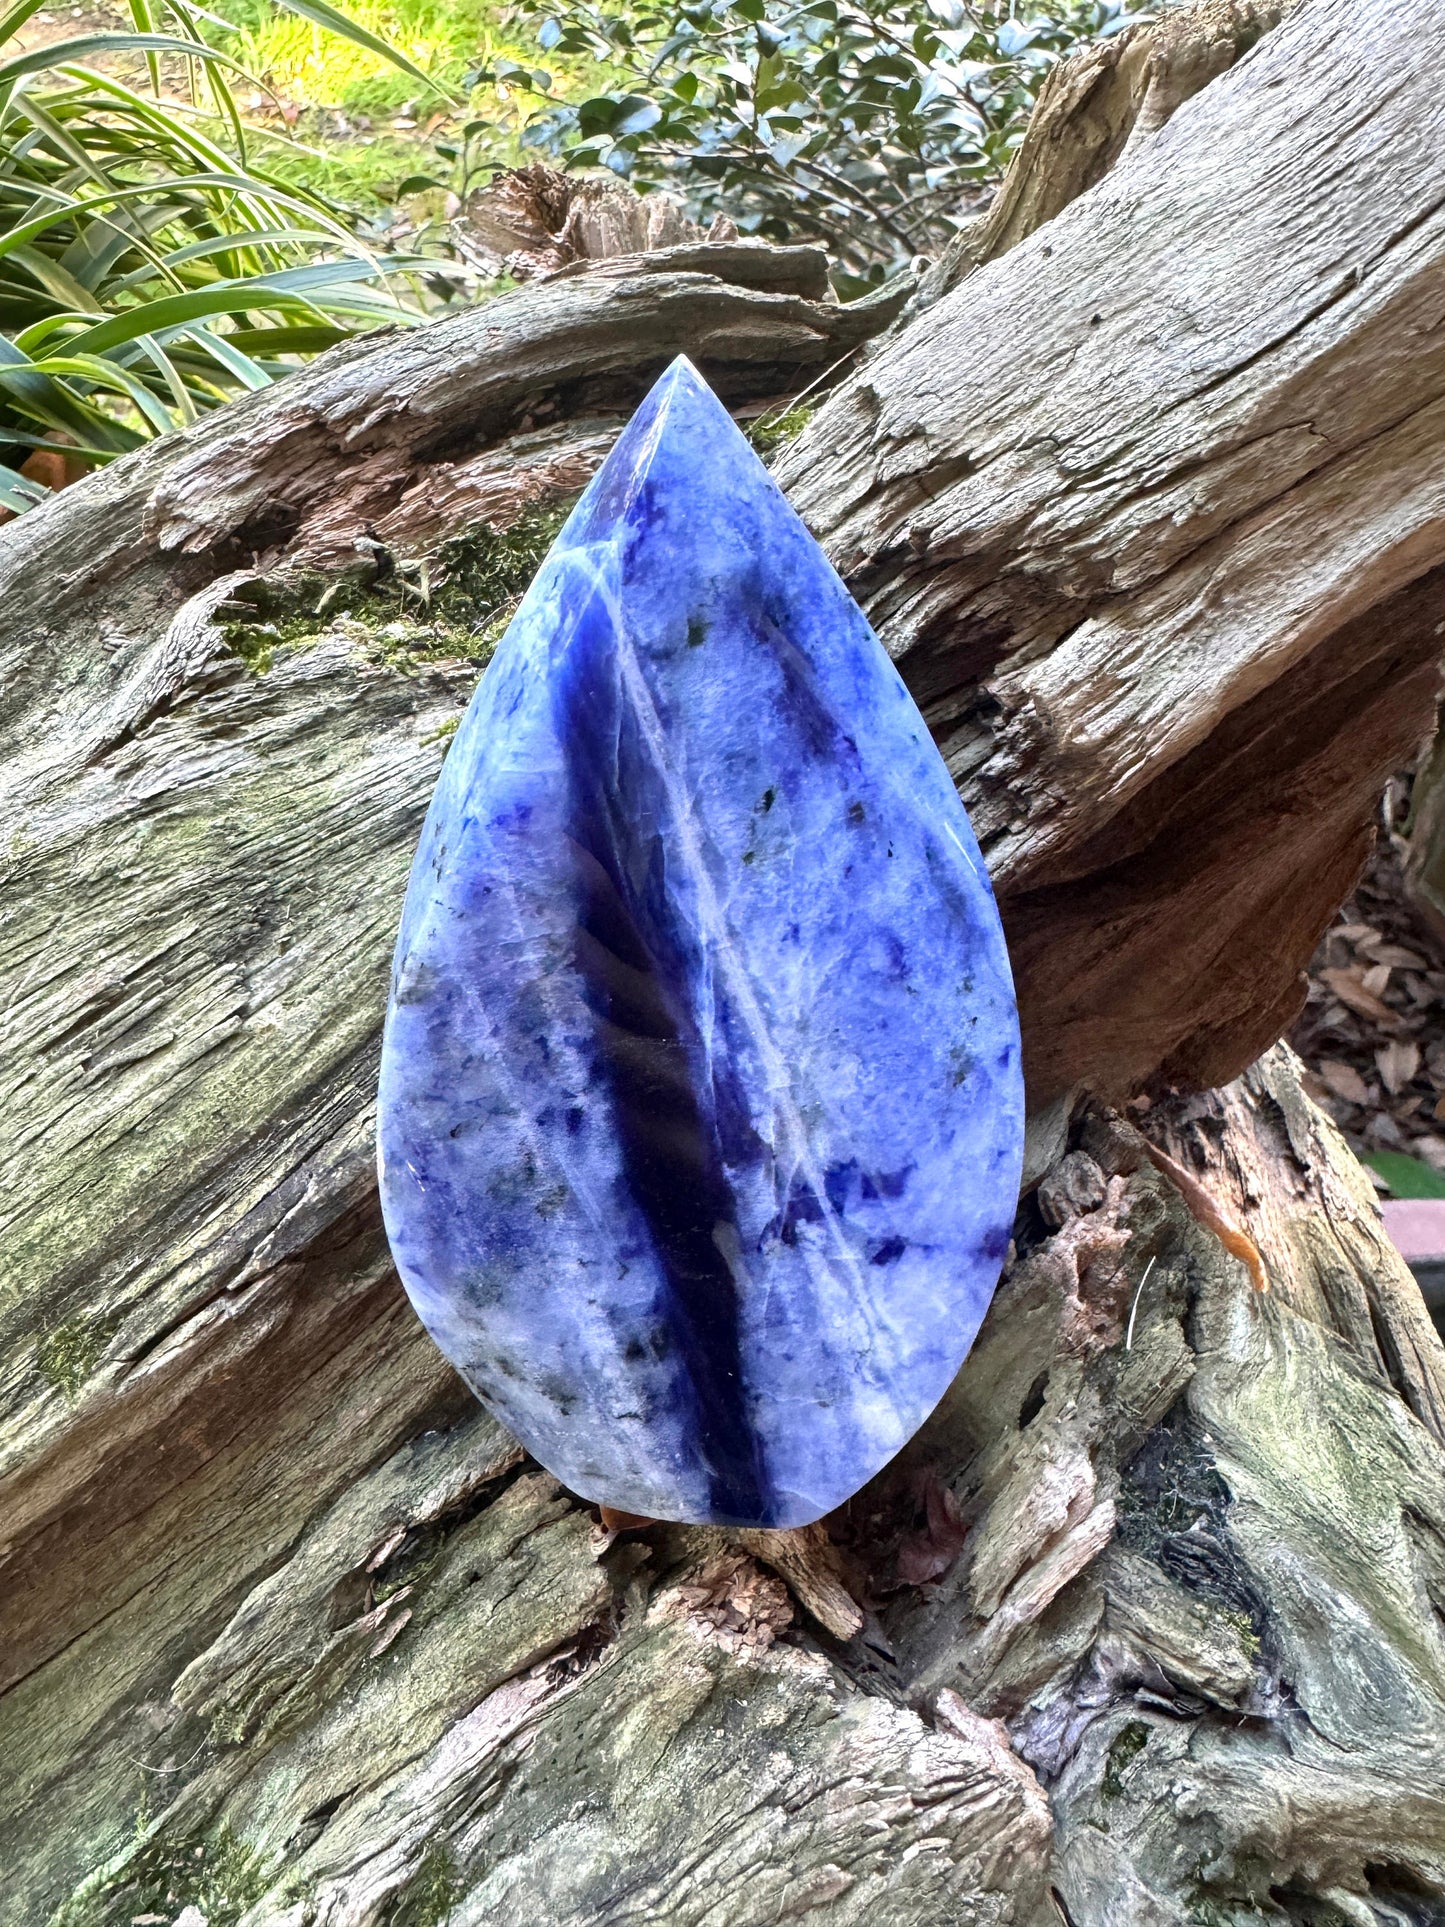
{"x": 63, "y": 52}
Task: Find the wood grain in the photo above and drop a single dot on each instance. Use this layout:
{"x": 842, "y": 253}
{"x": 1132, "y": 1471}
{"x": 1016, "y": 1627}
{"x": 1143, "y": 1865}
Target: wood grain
{"x": 1149, "y": 511}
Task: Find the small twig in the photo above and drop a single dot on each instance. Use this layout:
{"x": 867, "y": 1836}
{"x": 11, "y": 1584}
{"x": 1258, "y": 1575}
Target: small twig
{"x": 169, "y": 1769}
{"x": 1134, "y": 1308}
{"x": 793, "y": 401}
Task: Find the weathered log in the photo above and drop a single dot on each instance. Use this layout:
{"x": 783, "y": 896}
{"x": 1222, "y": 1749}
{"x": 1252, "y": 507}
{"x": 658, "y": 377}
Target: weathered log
{"x": 1115, "y": 93}
{"x": 1145, "y": 1627}
{"x": 532, "y": 221}
{"x": 1081, "y": 497}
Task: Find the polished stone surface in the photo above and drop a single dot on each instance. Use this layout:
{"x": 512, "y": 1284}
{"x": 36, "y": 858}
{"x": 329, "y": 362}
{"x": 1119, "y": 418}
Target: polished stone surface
{"x": 701, "y": 1110}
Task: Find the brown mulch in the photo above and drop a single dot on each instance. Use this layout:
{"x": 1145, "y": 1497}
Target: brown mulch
{"x": 1373, "y": 1031}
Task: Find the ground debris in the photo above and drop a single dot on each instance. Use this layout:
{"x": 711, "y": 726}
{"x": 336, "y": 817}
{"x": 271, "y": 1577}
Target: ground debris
{"x": 1373, "y": 1031}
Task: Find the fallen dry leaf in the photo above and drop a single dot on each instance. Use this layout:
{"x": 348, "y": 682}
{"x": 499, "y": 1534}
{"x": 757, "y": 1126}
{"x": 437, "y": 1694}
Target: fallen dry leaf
{"x": 1396, "y": 956}
{"x": 1349, "y": 986}
{"x": 1345, "y": 1081}
{"x": 1211, "y": 1214}
{"x": 1374, "y": 1021}
{"x": 928, "y": 1554}
{"x": 1398, "y": 1062}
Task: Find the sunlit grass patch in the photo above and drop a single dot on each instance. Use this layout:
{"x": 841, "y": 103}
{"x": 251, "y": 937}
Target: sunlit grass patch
{"x": 309, "y": 68}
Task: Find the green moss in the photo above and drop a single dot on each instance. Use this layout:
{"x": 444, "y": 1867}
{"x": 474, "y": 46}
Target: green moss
{"x": 413, "y": 1563}
{"x": 67, "y": 1355}
{"x": 431, "y": 1893}
{"x": 1127, "y": 1744}
{"x": 1248, "y": 1633}
{"x": 229, "y": 1725}
{"x": 421, "y": 1553}
{"x": 771, "y": 432}
{"x": 291, "y": 612}
{"x": 407, "y": 646}
{"x": 1174, "y": 1509}
{"x": 404, "y": 614}
{"x": 256, "y": 646}
{"x": 482, "y": 576}
{"x": 215, "y": 1872}
{"x": 1210, "y": 1913}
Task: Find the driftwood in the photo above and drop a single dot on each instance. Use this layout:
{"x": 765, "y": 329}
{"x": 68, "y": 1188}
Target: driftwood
{"x": 1112, "y": 95}
{"x": 532, "y": 221}
{"x": 1082, "y": 497}
{"x": 1146, "y": 1625}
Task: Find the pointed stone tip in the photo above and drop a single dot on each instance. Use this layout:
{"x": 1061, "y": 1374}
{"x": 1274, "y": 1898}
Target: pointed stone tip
{"x": 683, "y": 368}
{"x": 680, "y": 376}
{"x": 680, "y": 421}
{"x": 682, "y": 381}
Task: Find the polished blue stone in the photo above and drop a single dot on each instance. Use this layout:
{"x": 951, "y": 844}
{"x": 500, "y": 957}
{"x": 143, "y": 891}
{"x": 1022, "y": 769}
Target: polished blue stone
{"x": 701, "y": 1109}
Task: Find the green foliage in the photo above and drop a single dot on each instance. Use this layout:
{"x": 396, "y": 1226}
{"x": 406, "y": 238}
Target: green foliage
{"x": 1407, "y": 1177}
{"x": 215, "y": 1872}
{"x": 863, "y": 124}
{"x": 149, "y": 270}
{"x": 441, "y": 39}
{"x": 365, "y": 129}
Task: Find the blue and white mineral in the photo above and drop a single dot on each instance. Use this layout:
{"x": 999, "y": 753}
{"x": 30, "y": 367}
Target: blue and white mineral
{"x": 701, "y": 1106}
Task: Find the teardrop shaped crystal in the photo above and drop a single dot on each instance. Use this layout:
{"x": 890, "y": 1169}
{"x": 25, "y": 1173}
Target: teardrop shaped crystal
{"x": 701, "y": 1109}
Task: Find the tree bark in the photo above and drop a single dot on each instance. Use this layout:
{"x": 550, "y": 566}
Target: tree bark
{"x": 1148, "y": 1624}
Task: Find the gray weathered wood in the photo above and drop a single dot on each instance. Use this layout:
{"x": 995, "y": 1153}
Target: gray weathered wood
{"x": 1146, "y": 1626}
{"x": 1080, "y": 497}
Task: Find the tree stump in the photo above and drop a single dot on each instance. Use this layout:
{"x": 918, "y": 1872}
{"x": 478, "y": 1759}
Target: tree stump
{"x": 1148, "y": 1624}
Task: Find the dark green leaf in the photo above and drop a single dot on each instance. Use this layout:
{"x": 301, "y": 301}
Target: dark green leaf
{"x": 1407, "y": 1177}
{"x": 636, "y": 115}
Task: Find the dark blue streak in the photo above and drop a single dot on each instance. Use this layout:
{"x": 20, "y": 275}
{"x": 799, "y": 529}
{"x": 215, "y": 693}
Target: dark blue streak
{"x": 634, "y": 966}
